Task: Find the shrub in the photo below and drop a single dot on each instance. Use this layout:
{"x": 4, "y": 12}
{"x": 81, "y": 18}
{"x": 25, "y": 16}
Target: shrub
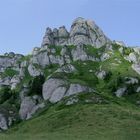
{"x": 36, "y": 85}
{"x": 5, "y": 94}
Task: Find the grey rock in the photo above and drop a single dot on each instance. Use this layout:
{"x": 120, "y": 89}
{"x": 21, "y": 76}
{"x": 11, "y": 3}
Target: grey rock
{"x": 137, "y": 50}
{"x": 77, "y": 88}
{"x": 34, "y": 110}
{"x": 58, "y": 94}
{"x": 62, "y": 32}
{"x": 121, "y": 91}
{"x": 24, "y": 92}
{"x": 132, "y": 57}
{"x": 35, "y": 51}
{"x": 48, "y": 38}
{"x": 121, "y": 50}
{"x": 41, "y": 59}
{"x": 56, "y": 59}
{"x": 138, "y": 89}
{"x": 136, "y": 67}
{"x": 33, "y": 71}
{"x": 67, "y": 69}
{"x": 63, "y": 51}
{"x": 101, "y": 74}
{"x": 51, "y": 86}
{"x": 14, "y": 81}
{"x": 120, "y": 43}
{"x": 83, "y": 32}
{"x": 55, "y": 33}
{"x": 26, "y": 107}
{"x": 105, "y": 56}
{"x": 79, "y": 53}
{"x": 87, "y": 32}
{"x": 56, "y": 89}
{"x": 22, "y": 72}
{"x": 3, "y": 122}
{"x": 72, "y": 101}
{"x": 43, "y": 48}
{"x": 24, "y": 64}
{"x": 29, "y": 106}
{"x": 131, "y": 80}
{"x": 5, "y": 81}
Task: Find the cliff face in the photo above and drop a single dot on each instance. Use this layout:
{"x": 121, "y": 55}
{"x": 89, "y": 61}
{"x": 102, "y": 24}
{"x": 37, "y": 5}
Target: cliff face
{"x": 68, "y": 64}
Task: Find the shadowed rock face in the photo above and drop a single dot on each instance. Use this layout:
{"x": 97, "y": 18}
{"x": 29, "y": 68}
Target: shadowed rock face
{"x": 82, "y": 32}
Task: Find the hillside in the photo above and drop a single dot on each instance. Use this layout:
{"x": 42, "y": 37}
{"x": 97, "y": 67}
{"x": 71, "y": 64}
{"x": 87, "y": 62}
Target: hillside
{"x": 77, "y": 85}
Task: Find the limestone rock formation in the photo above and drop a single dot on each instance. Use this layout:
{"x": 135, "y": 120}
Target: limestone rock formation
{"x": 82, "y": 32}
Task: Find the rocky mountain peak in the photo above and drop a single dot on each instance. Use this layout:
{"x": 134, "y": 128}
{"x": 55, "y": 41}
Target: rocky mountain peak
{"x": 71, "y": 67}
{"x": 82, "y": 32}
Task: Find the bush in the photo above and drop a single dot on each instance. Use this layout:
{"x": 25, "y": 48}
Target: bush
{"x": 115, "y": 83}
{"x": 36, "y": 85}
{"x": 108, "y": 76}
{"x": 5, "y": 94}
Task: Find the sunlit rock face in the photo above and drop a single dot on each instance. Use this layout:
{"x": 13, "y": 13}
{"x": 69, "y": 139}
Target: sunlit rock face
{"x": 82, "y": 32}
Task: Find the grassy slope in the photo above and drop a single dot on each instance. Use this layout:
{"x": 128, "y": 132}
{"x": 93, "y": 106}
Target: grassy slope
{"x": 118, "y": 119}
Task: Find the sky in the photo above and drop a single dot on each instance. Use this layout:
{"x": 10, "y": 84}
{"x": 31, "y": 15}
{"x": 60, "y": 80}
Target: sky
{"x": 23, "y": 22}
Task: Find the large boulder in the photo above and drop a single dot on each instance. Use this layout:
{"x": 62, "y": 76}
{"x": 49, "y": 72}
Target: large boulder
{"x": 56, "y": 89}
{"x": 26, "y": 107}
{"x": 29, "y": 106}
{"x": 52, "y": 86}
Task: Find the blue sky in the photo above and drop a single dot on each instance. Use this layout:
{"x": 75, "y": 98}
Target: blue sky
{"x": 23, "y": 22}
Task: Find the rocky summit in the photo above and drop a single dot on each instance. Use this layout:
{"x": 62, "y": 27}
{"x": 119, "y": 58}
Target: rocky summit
{"x": 82, "y": 32}
{"x": 77, "y": 80}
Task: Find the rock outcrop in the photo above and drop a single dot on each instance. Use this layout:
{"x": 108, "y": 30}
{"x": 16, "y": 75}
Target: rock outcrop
{"x": 56, "y": 89}
{"x": 82, "y": 32}
{"x": 29, "y": 105}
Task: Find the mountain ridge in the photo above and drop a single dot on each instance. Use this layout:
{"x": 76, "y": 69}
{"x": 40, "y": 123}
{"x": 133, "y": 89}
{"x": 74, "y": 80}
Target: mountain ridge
{"x": 79, "y": 67}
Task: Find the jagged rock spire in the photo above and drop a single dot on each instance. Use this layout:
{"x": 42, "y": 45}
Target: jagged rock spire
{"x": 82, "y": 32}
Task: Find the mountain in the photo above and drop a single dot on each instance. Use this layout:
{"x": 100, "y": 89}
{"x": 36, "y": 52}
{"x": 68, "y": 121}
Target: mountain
{"x": 76, "y": 85}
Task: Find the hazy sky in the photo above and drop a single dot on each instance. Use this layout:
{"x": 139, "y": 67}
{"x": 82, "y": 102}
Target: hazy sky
{"x": 23, "y": 22}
